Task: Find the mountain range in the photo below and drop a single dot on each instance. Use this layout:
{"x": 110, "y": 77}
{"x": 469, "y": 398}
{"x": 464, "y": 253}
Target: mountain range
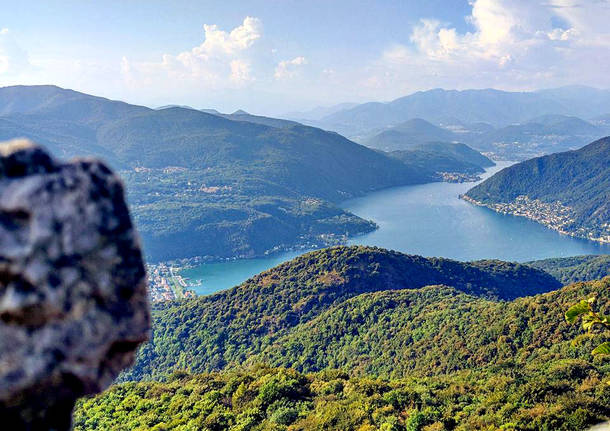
{"x": 568, "y": 192}
{"x": 531, "y": 138}
{"x": 498, "y": 108}
{"x": 206, "y": 183}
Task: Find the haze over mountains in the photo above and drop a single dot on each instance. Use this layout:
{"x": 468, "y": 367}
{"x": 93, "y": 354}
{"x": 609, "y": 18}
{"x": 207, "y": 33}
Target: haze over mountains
{"x": 509, "y": 125}
{"x": 496, "y": 107}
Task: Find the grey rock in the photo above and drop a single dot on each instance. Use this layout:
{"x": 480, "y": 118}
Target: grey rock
{"x": 73, "y": 297}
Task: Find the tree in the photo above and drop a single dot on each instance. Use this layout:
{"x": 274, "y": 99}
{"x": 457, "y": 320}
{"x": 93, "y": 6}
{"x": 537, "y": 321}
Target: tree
{"x": 590, "y": 320}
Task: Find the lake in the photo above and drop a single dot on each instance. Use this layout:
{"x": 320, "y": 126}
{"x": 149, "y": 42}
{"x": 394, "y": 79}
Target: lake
{"x": 429, "y": 220}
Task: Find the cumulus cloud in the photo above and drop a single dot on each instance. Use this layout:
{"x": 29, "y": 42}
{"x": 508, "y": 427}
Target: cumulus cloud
{"x": 240, "y": 72}
{"x": 513, "y": 44}
{"x": 288, "y": 68}
{"x": 223, "y": 59}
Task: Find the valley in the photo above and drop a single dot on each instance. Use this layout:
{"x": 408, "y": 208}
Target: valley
{"x": 285, "y": 215}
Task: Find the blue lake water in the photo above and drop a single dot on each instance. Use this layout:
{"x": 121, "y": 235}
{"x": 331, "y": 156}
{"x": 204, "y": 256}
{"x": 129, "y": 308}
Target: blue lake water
{"x": 429, "y": 220}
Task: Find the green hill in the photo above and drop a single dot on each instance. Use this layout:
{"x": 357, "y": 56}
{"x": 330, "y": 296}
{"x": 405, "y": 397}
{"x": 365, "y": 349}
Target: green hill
{"x": 444, "y": 157}
{"x": 427, "y": 331}
{"x": 573, "y": 269}
{"x": 223, "y": 330}
{"x": 218, "y": 187}
{"x": 569, "y": 192}
{"x": 460, "y": 362}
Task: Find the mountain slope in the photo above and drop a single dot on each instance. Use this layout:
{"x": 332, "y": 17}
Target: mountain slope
{"x": 259, "y": 119}
{"x": 207, "y": 184}
{"x": 445, "y": 157}
{"x": 55, "y": 103}
{"x": 222, "y": 330}
{"x": 549, "y": 393}
{"x": 448, "y": 358}
{"x": 574, "y": 269}
{"x": 434, "y": 330}
{"x": 307, "y": 160}
{"x": 569, "y": 192}
{"x": 408, "y": 134}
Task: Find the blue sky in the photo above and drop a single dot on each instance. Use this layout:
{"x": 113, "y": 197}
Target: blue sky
{"x": 275, "y": 56}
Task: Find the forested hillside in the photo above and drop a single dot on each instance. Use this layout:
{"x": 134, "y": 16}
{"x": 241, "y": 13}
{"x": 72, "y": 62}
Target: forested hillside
{"x": 459, "y": 362}
{"x": 225, "y": 329}
{"x": 445, "y": 157}
{"x": 427, "y": 331}
{"x": 578, "y": 268}
{"x": 569, "y": 192}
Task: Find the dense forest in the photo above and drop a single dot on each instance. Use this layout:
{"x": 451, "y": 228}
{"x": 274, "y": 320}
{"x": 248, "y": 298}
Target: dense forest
{"x": 219, "y": 331}
{"x": 577, "y": 268}
{"x": 451, "y": 361}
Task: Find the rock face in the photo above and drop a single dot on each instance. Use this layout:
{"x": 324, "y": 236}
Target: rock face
{"x": 73, "y": 297}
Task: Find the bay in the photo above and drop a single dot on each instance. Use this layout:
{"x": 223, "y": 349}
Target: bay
{"x": 429, "y": 220}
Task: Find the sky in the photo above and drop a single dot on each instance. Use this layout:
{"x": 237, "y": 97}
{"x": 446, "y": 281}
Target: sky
{"x": 277, "y": 56}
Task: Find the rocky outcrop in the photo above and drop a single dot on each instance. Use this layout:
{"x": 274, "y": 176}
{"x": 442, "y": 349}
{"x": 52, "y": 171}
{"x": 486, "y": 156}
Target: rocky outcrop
{"x": 73, "y": 300}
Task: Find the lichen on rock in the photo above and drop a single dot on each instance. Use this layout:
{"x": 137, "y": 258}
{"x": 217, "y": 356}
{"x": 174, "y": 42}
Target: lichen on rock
{"x": 73, "y": 298}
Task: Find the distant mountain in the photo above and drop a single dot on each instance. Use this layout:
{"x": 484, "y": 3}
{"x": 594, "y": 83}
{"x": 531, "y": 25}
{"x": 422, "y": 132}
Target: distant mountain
{"x": 211, "y": 184}
{"x": 569, "y": 191}
{"x": 563, "y": 125}
{"x": 534, "y": 137}
{"x": 240, "y": 115}
{"x": 581, "y": 101}
{"x": 406, "y": 135}
{"x": 46, "y": 103}
{"x": 539, "y": 136}
{"x": 499, "y": 108}
{"x": 211, "y": 111}
{"x": 602, "y": 121}
{"x": 225, "y": 329}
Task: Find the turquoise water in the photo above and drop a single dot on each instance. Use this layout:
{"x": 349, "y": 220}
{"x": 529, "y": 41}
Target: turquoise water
{"x": 212, "y": 277}
{"x": 428, "y": 220}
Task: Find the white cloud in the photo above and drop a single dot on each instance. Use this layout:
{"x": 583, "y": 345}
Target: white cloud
{"x": 240, "y": 72}
{"x": 222, "y": 60}
{"x": 288, "y": 68}
{"x": 561, "y": 34}
{"x": 513, "y": 44}
{"x": 218, "y": 42}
